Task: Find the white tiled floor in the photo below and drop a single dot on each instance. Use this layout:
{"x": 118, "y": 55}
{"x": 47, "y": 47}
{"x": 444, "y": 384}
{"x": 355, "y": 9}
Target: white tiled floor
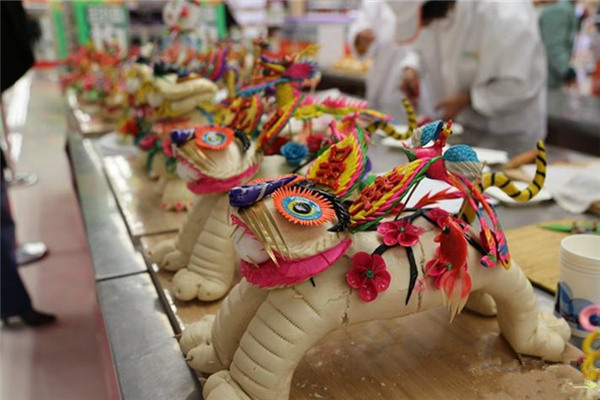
{"x": 70, "y": 359}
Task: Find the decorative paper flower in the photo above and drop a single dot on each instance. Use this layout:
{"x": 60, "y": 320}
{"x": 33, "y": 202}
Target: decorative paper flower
{"x": 167, "y": 146}
{"x": 129, "y": 127}
{"x": 316, "y": 141}
{"x": 148, "y": 142}
{"x": 400, "y": 232}
{"x": 180, "y": 136}
{"x": 438, "y": 215}
{"x": 294, "y": 153}
{"x": 275, "y": 147}
{"x": 437, "y": 267}
{"x": 369, "y": 275}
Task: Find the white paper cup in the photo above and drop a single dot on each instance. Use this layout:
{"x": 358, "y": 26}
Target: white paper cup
{"x": 579, "y": 284}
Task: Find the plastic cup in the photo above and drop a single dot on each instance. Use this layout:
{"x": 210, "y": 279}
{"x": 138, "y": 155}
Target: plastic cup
{"x": 579, "y": 284}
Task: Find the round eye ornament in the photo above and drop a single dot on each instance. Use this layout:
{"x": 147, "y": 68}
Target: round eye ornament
{"x": 302, "y": 206}
{"x": 214, "y": 137}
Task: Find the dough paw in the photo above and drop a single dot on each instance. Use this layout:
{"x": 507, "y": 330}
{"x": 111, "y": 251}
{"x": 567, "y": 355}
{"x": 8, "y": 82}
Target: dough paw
{"x": 212, "y": 289}
{"x": 198, "y": 333}
{"x": 196, "y": 344}
{"x": 157, "y": 254}
{"x": 188, "y": 285}
{"x": 547, "y": 340}
{"x": 221, "y": 386}
{"x": 174, "y": 261}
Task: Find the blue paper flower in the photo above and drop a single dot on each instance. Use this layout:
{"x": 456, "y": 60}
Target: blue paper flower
{"x": 180, "y": 136}
{"x": 294, "y": 153}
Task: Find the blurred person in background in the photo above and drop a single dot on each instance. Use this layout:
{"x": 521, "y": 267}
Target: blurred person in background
{"x": 595, "y": 50}
{"x": 484, "y": 64}
{"x": 558, "y": 27}
{"x": 372, "y": 35}
{"x": 16, "y": 59}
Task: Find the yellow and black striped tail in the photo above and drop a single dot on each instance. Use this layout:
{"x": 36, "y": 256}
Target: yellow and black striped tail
{"x": 229, "y": 79}
{"x": 411, "y": 116}
{"x": 504, "y": 183}
{"x": 390, "y": 131}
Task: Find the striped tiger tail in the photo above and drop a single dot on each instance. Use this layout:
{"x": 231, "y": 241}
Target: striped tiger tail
{"x": 504, "y": 183}
{"x": 389, "y": 129}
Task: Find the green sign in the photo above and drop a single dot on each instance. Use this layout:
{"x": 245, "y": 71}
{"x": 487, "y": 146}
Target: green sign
{"x": 102, "y": 22}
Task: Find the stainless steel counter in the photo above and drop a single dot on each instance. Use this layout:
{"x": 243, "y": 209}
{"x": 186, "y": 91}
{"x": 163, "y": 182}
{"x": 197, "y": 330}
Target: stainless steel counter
{"x": 147, "y": 358}
{"x": 113, "y": 253}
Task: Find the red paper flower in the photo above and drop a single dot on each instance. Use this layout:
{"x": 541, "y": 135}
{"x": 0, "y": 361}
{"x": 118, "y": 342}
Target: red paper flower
{"x": 184, "y": 12}
{"x": 369, "y": 275}
{"x": 129, "y": 127}
{"x": 437, "y": 267}
{"x": 167, "y": 147}
{"x": 315, "y": 141}
{"x": 275, "y": 147}
{"x": 400, "y": 232}
{"x": 148, "y": 142}
{"x": 438, "y": 215}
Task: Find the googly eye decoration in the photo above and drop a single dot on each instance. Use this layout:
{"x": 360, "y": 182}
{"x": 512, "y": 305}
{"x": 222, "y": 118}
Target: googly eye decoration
{"x": 214, "y": 137}
{"x": 302, "y": 206}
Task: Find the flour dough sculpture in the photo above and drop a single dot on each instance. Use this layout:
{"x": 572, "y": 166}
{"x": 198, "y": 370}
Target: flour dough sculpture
{"x": 313, "y": 261}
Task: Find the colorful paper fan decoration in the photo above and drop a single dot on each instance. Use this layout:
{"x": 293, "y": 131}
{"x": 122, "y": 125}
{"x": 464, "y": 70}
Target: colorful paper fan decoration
{"x": 276, "y": 123}
{"x": 302, "y": 206}
{"x": 214, "y": 137}
{"x": 244, "y": 114}
{"x": 341, "y": 166}
{"x": 385, "y": 193}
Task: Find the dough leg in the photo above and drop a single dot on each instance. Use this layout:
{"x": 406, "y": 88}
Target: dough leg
{"x": 172, "y": 255}
{"x": 482, "y": 303}
{"x": 528, "y": 330}
{"x": 287, "y": 324}
{"x": 210, "y": 343}
{"x": 160, "y": 250}
{"x": 210, "y": 271}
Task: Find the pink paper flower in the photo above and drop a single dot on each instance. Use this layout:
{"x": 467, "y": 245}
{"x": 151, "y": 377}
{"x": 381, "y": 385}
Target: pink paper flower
{"x": 369, "y": 275}
{"x": 438, "y": 215}
{"x": 167, "y": 147}
{"x": 148, "y": 142}
{"x": 437, "y": 267}
{"x": 316, "y": 141}
{"x": 400, "y": 232}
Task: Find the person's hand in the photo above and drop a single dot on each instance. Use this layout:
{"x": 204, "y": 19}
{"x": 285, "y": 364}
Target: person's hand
{"x": 570, "y": 78}
{"x": 410, "y": 85}
{"x": 453, "y": 105}
{"x": 363, "y": 41}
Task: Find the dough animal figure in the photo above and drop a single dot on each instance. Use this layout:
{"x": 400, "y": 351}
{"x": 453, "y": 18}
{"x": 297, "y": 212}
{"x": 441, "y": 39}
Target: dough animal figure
{"x": 161, "y": 101}
{"x": 312, "y": 264}
{"x": 213, "y": 159}
{"x": 203, "y": 272}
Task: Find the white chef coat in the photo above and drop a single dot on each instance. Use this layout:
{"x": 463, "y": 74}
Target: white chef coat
{"x": 383, "y": 79}
{"x": 493, "y": 51}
